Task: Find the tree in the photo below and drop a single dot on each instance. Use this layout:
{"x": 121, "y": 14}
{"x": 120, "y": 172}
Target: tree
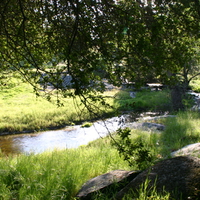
{"x": 129, "y": 39}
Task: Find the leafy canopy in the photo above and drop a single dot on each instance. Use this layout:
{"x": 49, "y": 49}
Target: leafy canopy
{"x": 119, "y": 40}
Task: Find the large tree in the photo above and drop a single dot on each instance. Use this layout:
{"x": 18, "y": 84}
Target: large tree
{"x": 95, "y": 39}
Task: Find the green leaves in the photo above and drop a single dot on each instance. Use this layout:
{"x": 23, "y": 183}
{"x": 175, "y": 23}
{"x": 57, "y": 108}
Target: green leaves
{"x": 135, "y": 153}
{"x": 123, "y": 40}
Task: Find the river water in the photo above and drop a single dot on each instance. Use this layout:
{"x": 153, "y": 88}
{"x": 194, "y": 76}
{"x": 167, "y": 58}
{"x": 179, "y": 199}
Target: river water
{"x": 69, "y": 137}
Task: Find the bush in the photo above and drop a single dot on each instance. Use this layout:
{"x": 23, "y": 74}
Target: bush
{"x": 86, "y": 125}
{"x": 134, "y": 152}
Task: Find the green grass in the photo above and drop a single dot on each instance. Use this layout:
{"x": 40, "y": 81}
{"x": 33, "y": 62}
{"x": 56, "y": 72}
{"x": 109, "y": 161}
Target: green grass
{"x": 180, "y": 131}
{"x": 157, "y": 101}
{"x": 144, "y": 193}
{"x": 86, "y": 125}
{"x": 60, "y": 174}
{"x": 22, "y": 111}
{"x": 195, "y": 85}
{"x": 56, "y": 175}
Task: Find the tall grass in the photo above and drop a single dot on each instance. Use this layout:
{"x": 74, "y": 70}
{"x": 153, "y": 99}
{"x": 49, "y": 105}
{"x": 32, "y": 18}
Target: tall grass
{"x": 180, "y": 131}
{"x": 60, "y": 174}
{"x": 145, "y": 193}
{"x": 57, "y": 174}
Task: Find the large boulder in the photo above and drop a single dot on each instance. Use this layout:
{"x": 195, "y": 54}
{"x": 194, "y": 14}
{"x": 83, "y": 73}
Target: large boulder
{"x": 105, "y": 183}
{"x": 189, "y": 150}
{"x": 180, "y": 176}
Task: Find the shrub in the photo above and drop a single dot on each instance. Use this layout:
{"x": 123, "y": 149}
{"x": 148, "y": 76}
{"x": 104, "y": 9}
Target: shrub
{"x": 134, "y": 152}
{"x": 86, "y": 125}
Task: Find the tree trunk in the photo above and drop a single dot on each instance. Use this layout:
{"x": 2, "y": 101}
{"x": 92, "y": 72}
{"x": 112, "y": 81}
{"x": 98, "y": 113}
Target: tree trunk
{"x": 178, "y": 93}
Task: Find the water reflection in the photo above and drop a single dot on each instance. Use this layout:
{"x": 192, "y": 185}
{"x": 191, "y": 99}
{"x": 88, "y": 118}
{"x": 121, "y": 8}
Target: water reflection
{"x": 70, "y": 137}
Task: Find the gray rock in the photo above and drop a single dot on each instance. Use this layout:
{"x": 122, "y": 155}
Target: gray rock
{"x": 189, "y": 150}
{"x": 105, "y": 182}
{"x": 155, "y": 126}
{"x": 132, "y": 94}
{"x": 180, "y": 176}
{"x": 146, "y": 126}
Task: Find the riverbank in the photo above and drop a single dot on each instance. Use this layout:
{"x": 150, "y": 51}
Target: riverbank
{"x": 75, "y": 136}
{"x": 23, "y": 112}
{"x": 61, "y": 173}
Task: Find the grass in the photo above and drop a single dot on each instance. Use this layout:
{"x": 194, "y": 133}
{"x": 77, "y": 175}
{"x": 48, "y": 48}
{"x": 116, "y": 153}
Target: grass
{"x": 55, "y": 175}
{"x": 195, "y": 85}
{"x": 86, "y": 125}
{"x": 144, "y": 193}
{"x": 145, "y": 100}
{"x": 22, "y": 111}
{"x": 60, "y": 174}
{"x": 180, "y": 131}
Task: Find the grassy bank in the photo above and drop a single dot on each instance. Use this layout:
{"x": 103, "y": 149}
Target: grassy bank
{"x": 56, "y": 175}
{"x": 22, "y": 111}
{"x": 145, "y": 100}
{"x": 60, "y": 174}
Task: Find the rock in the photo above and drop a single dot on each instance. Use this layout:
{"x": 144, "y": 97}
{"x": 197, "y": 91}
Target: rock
{"x": 146, "y": 126}
{"x": 180, "y": 176}
{"x": 189, "y": 150}
{"x": 132, "y": 94}
{"x": 155, "y": 126}
{"x": 105, "y": 182}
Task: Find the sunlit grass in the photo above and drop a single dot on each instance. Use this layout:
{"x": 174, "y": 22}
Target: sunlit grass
{"x": 195, "y": 85}
{"x": 60, "y": 174}
{"x": 55, "y": 175}
{"x": 22, "y": 111}
{"x": 146, "y": 100}
{"x": 180, "y": 131}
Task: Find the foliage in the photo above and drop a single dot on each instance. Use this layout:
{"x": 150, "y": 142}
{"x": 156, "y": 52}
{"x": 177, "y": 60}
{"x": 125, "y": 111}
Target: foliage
{"x": 86, "y": 124}
{"x": 142, "y": 149}
{"x": 92, "y": 40}
{"x": 134, "y": 152}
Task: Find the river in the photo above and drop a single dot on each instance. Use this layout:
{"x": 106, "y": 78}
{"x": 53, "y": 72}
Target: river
{"x": 69, "y": 137}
